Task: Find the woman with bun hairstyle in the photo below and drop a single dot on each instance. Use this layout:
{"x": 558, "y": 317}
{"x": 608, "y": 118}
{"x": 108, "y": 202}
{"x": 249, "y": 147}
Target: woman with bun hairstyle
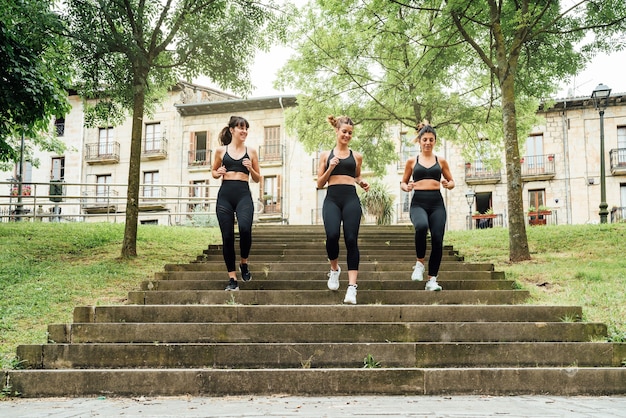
{"x": 236, "y": 164}
{"x": 424, "y": 175}
{"x": 340, "y": 168}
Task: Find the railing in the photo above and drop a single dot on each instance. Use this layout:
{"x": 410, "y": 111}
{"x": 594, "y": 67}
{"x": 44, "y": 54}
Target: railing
{"x": 618, "y": 214}
{"x": 199, "y": 158}
{"x": 82, "y": 202}
{"x": 542, "y": 217}
{"x": 484, "y": 221}
{"x": 271, "y": 153}
{"x": 538, "y": 166}
{"x": 154, "y": 149}
{"x": 478, "y": 173}
{"x": 102, "y": 153}
{"x": 617, "y": 158}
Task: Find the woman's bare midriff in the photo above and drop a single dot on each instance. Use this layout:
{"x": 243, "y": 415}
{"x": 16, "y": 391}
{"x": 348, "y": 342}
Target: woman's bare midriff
{"x": 235, "y": 175}
{"x": 427, "y": 184}
{"x": 340, "y": 179}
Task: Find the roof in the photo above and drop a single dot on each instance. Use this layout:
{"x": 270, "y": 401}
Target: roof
{"x": 236, "y": 105}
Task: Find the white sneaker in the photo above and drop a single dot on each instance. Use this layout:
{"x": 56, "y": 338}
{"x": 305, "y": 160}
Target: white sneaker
{"x": 418, "y": 272}
{"x": 333, "y": 279}
{"x": 350, "y": 294}
{"x": 432, "y": 285}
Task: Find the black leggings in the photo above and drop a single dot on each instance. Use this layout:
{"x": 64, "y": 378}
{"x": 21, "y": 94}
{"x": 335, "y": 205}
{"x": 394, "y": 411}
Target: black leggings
{"x": 234, "y": 197}
{"x": 342, "y": 204}
{"x": 428, "y": 212}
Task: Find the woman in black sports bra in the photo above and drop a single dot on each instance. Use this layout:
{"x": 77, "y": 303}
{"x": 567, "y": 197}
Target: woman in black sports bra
{"x": 235, "y": 163}
{"x": 341, "y": 169}
{"x": 423, "y": 175}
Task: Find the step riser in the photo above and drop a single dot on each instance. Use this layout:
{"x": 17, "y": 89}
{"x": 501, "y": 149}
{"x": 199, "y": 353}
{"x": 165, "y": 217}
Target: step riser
{"x": 327, "y": 297}
{"x": 323, "y": 268}
{"x": 329, "y": 355}
{"x": 320, "y": 332}
{"x": 364, "y": 276}
{"x": 264, "y": 284}
{"x": 329, "y": 314}
{"x": 320, "y": 382}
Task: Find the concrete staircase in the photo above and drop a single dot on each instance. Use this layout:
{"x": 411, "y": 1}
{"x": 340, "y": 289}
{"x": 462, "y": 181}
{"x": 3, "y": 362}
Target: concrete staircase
{"x": 286, "y": 333}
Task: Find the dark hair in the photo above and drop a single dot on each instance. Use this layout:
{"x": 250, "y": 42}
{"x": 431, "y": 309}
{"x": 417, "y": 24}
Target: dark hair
{"x": 426, "y": 129}
{"x": 225, "y": 136}
{"x": 336, "y": 122}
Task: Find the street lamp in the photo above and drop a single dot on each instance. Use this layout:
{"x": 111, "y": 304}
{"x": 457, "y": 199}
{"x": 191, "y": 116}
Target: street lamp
{"x": 600, "y": 97}
{"x": 469, "y": 196}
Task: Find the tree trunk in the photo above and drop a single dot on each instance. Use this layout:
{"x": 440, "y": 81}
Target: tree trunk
{"x": 129, "y": 246}
{"x": 518, "y": 241}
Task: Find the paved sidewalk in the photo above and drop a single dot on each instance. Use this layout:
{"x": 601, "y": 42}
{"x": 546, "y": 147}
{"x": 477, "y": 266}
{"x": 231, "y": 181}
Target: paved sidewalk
{"x": 297, "y": 406}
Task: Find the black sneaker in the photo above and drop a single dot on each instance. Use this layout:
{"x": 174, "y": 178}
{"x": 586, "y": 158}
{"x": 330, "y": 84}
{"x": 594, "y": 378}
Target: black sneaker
{"x": 245, "y": 273}
{"x": 232, "y": 285}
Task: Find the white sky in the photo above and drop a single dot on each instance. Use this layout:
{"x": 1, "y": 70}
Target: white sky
{"x": 606, "y": 69}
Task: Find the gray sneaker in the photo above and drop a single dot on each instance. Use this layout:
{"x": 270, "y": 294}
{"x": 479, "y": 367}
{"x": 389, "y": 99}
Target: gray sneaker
{"x": 232, "y": 285}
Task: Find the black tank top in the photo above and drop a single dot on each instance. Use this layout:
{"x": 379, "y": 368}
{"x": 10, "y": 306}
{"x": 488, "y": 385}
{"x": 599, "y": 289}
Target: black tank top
{"x": 346, "y": 166}
{"x": 422, "y": 173}
{"x": 235, "y": 165}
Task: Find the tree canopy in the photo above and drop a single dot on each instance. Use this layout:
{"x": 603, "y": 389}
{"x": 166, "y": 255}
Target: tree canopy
{"x": 34, "y": 73}
{"x": 129, "y": 52}
{"x": 474, "y": 69}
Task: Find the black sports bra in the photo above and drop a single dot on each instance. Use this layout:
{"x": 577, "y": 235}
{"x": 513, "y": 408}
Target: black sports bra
{"x": 235, "y": 165}
{"x": 346, "y": 166}
{"x": 422, "y": 173}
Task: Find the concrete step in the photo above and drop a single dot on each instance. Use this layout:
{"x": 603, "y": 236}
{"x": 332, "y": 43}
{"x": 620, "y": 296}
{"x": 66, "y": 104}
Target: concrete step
{"x": 320, "y": 355}
{"x": 492, "y": 381}
{"x": 326, "y": 297}
{"x": 308, "y": 284}
{"x": 326, "y": 314}
{"x": 314, "y": 258}
{"x": 336, "y": 332}
{"x": 322, "y": 265}
{"x": 364, "y": 276}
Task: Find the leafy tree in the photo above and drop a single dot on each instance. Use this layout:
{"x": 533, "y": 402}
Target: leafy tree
{"x": 130, "y": 52}
{"x": 34, "y": 74}
{"x": 378, "y": 202}
{"x": 474, "y": 68}
{"x": 368, "y": 59}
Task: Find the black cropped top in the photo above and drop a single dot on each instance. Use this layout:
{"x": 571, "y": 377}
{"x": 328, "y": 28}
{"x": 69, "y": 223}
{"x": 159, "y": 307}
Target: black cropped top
{"x": 235, "y": 165}
{"x": 422, "y": 173}
{"x": 346, "y": 166}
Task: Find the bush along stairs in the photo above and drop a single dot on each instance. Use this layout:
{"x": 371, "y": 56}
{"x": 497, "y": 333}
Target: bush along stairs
{"x": 284, "y": 332}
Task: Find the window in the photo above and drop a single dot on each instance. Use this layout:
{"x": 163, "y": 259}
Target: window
{"x": 536, "y": 198}
{"x": 621, "y": 145}
{"x": 271, "y": 144}
{"x": 150, "y": 179}
{"x": 534, "y": 152}
{"x": 59, "y": 126}
{"x": 58, "y": 169}
{"x": 408, "y": 149}
{"x": 198, "y": 195}
{"x": 102, "y": 187}
{"x": 152, "y": 141}
{"x": 271, "y": 194}
{"x": 105, "y": 141}
{"x": 198, "y": 149}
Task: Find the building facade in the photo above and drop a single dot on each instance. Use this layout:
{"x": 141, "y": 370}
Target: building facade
{"x": 560, "y": 167}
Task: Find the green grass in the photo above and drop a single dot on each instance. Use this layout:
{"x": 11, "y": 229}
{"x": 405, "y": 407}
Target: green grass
{"x": 47, "y": 269}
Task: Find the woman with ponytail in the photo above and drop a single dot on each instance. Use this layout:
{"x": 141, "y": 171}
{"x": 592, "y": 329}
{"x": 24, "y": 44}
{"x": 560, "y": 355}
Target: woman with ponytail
{"x": 235, "y": 164}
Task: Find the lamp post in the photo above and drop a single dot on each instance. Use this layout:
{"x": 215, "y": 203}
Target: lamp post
{"x": 600, "y": 97}
{"x": 469, "y": 196}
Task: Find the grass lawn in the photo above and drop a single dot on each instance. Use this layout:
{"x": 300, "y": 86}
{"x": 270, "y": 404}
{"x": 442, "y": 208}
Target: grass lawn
{"x": 47, "y": 269}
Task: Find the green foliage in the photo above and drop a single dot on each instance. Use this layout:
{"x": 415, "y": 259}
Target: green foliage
{"x": 370, "y": 363}
{"x": 378, "y": 202}
{"x": 35, "y": 76}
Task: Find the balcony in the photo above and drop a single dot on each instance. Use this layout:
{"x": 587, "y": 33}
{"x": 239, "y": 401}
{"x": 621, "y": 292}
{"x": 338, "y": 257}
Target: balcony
{"x": 617, "y": 158}
{"x": 542, "y": 217}
{"x": 199, "y": 160}
{"x": 99, "y": 199}
{"x": 477, "y": 173}
{"x": 152, "y": 198}
{"x": 107, "y": 153}
{"x": 271, "y": 155}
{"x": 618, "y": 214}
{"x": 538, "y": 167}
{"x": 485, "y": 220}
{"x": 155, "y": 149}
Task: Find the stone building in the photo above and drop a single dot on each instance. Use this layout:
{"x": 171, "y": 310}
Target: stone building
{"x": 560, "y": 167}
